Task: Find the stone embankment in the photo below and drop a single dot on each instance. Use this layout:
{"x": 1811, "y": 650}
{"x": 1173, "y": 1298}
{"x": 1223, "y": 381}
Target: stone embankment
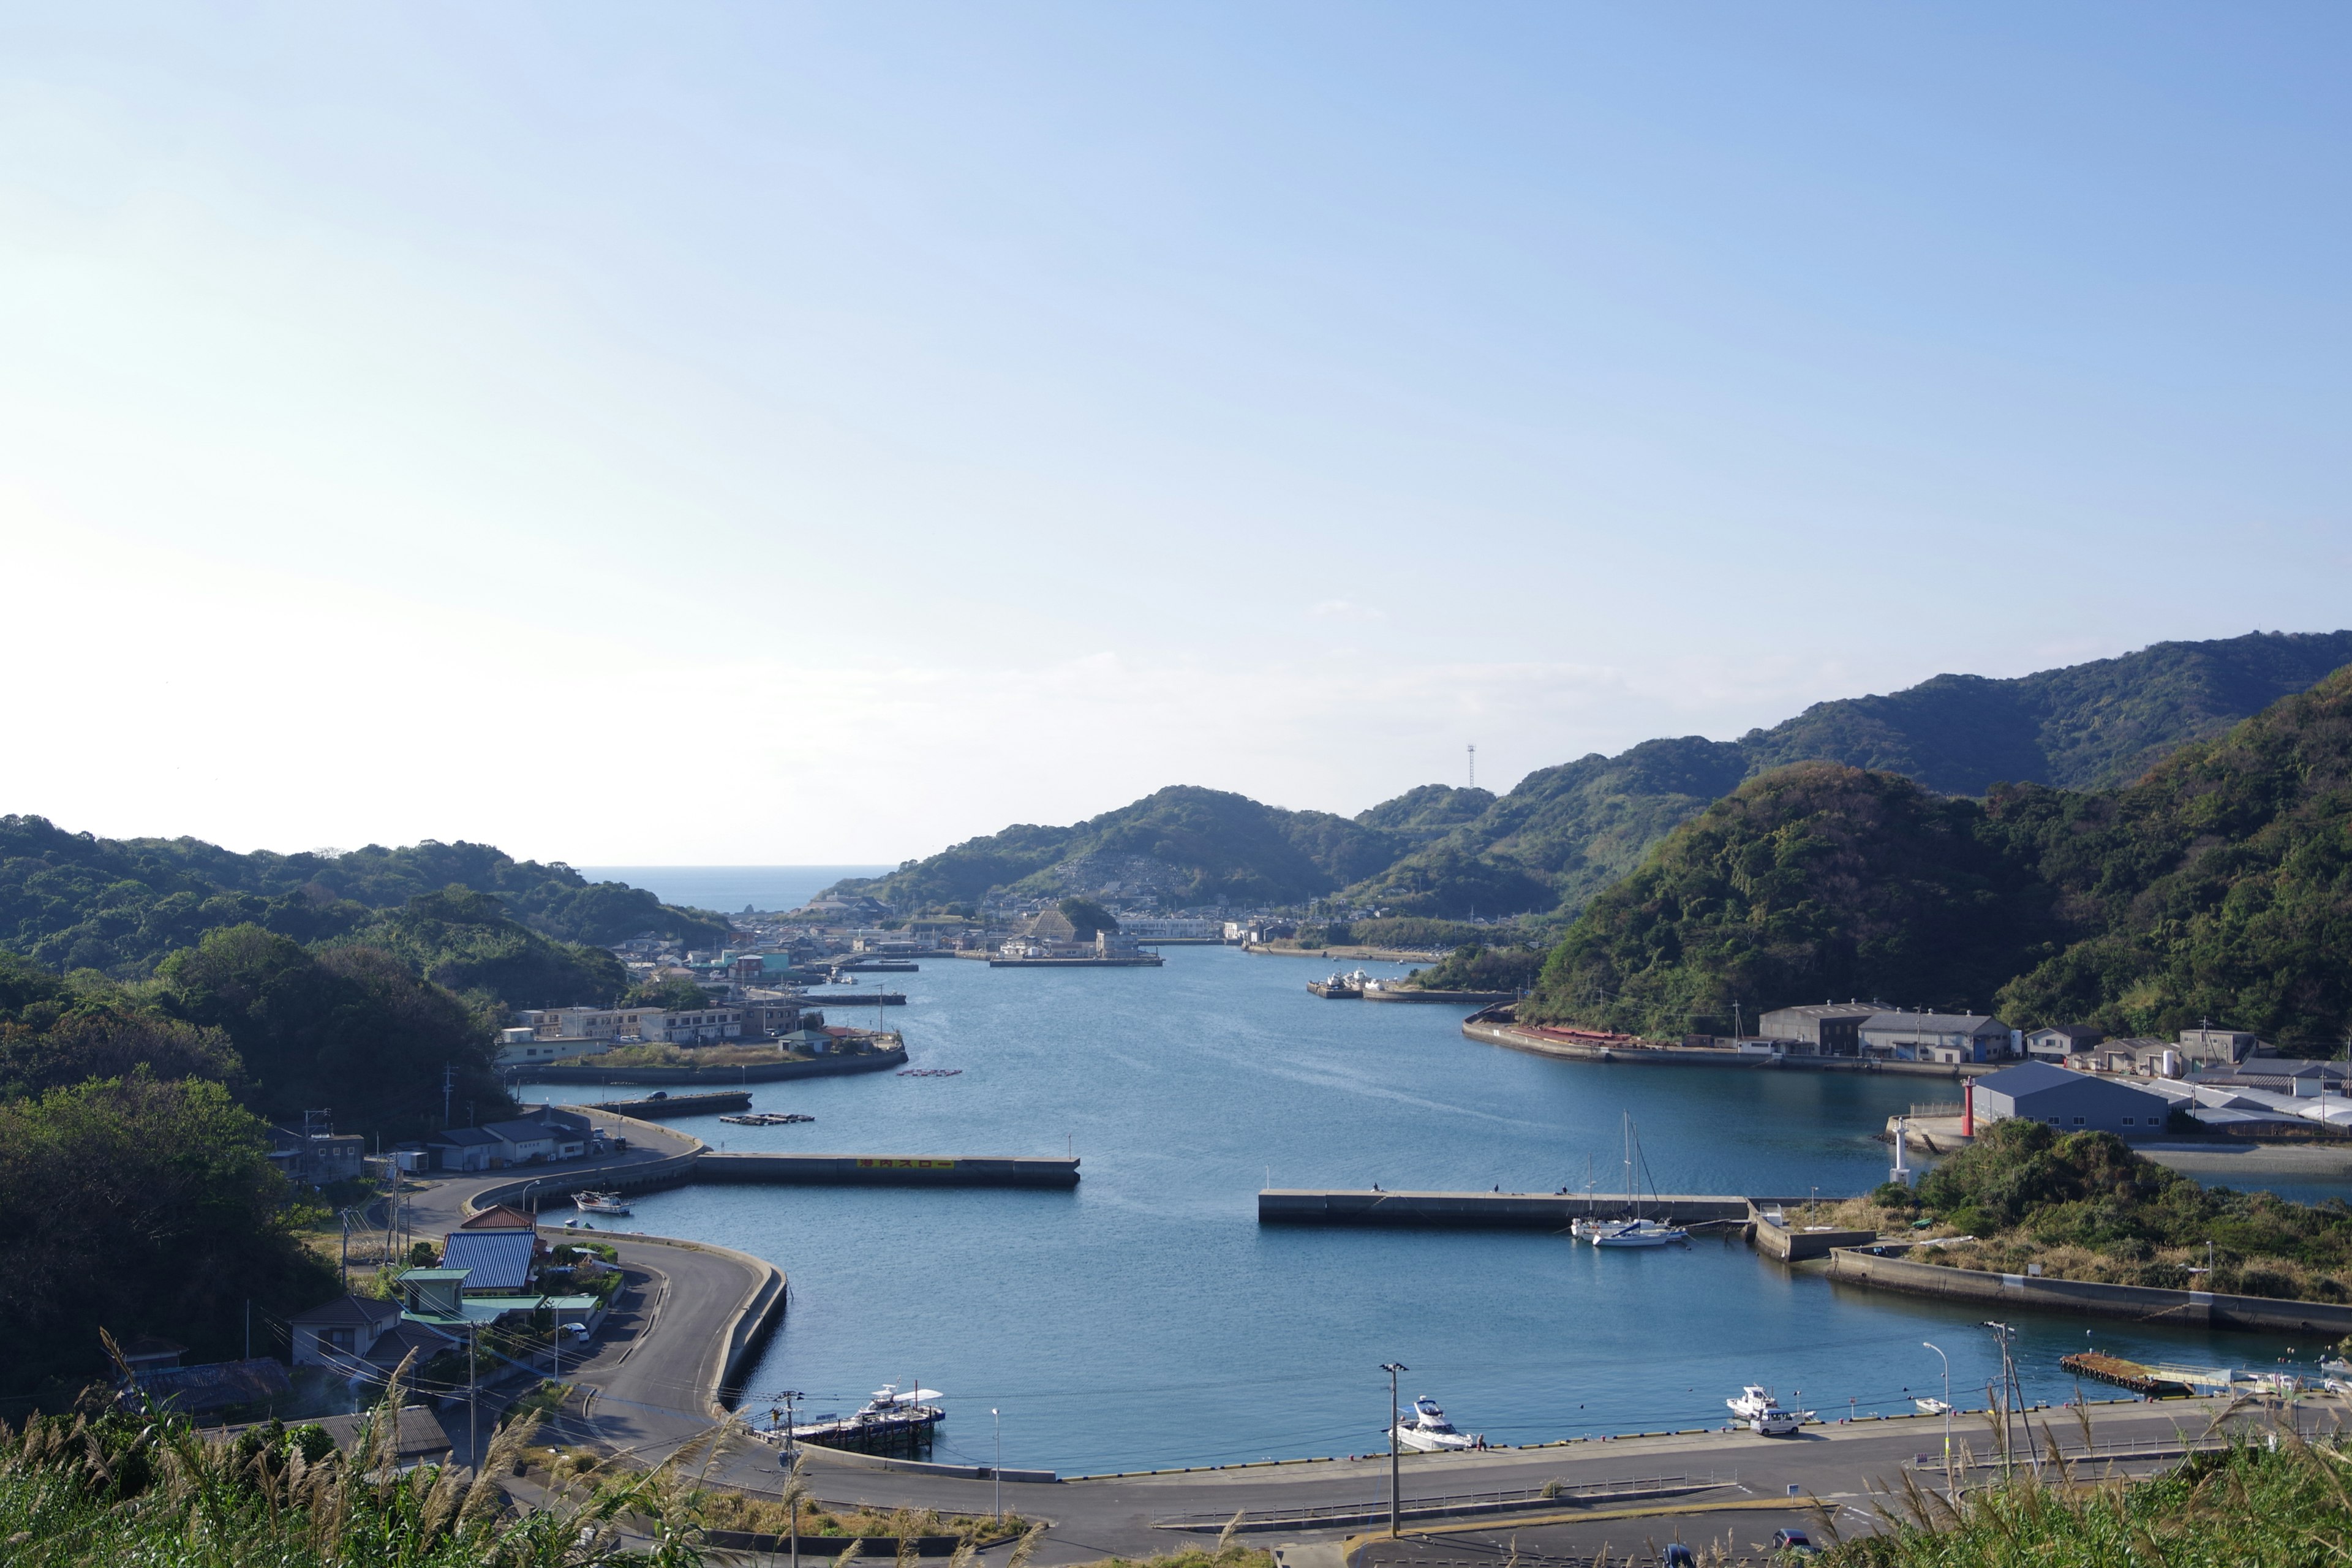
{"x": 2192, "y": 1308}
{"x": 737, "y": 1073}
{"x": 1590, "y": 1046}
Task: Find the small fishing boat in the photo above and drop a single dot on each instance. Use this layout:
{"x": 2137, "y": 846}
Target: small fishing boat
{"x": 1932, "y": 1406}
{"x": 1426, "y": 1430}
{"x": 1341, "y": 987}
{"x": 599, "y": 1202}
{"x": 1753, "y": 1400}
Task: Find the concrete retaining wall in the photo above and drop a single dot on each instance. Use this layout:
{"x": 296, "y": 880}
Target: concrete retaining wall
{"x": 2201, "y": 1309}
{"x": 1796, "y": 1245}
{"x": 765, "y": 1072}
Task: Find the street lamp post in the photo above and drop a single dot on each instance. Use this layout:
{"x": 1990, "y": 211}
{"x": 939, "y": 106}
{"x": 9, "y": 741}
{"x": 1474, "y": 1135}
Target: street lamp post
{"x": 996, "y": 1418}
{"x": 1392, "y": 1368}
{"x": 1950, "y": 1491}
{"x": 792, "y": 1458}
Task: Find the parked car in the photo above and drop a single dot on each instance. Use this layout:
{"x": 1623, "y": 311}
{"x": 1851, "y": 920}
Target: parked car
{"x": 1791, "y": 1544}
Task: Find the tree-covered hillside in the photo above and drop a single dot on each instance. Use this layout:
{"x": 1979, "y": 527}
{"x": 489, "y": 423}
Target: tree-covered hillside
{"x": 1564, "y": 833}
{"x": 1189, "y": 846}
{"x": 2217, "y": 887}
{"x": 73, "y": 900}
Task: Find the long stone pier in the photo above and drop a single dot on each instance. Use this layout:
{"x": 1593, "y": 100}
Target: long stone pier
{"x": 889, "y": 1170}
{"x": 1532, "y": 1210}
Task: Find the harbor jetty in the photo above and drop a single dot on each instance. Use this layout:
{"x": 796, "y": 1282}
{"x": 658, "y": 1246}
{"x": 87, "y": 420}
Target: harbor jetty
{"x": 889, "y": 1170}
{"x": 655, "y": 1106}
{"x": 1496, "y": 1027}
{"x": 1526, "y": 1211}
{"x": 590, "y": 1072}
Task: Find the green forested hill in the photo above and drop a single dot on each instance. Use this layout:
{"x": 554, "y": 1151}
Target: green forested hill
{"x": 73, "y": 900}
{"x": 2217, "y": 887}
{"x": 1564, "y": 833}
{"x": 1191, "y": 846}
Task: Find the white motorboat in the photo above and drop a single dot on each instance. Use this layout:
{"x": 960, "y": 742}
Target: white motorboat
{"x": 1754, "y": 1400}
{"x": 1426, "y": 1430}
{"x": 599, "y": 1202}
{"x": 1931, "y": 1406}
{"x": 1634, "y": 1229}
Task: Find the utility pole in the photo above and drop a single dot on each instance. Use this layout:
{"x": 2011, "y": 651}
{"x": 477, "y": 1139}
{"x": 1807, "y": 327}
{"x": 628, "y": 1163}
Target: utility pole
{"x": 2012, "y": 1395}
{"x": 996, "y": 1418}
{"x": 1392, "y": 1368}
{"x": 473, "y": 1397}
{"x": 1951, "y": 1490}
{"x": 448, "y": 1086}
{"x": 792, "y": 1462}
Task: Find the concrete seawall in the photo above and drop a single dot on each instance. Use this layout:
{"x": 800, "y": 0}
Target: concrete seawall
{"x": 2200, "y": 1309}
{"x": 1527, "y": 1211}
{"x": 889, "y": 1171}
{"x": 1512, "y": 1037}
{"x": 749, "y": 1072}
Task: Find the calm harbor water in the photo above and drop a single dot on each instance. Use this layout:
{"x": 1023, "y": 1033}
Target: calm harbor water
{"x": 1146, "y": 1321}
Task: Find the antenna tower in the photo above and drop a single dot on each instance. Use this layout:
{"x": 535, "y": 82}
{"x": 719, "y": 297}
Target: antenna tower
{"x": 1474, "y": 764}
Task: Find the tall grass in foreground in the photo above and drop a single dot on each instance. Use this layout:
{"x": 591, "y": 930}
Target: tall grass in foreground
{"x": 2249, "y": 1506}
{"x": 147, "y": 1491}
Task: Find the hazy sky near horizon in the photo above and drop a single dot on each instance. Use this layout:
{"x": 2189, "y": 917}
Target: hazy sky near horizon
{"x": 760, "y": 434}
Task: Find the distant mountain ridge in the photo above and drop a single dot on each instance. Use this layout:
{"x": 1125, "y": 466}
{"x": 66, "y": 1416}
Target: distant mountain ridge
{"x": 1564, "y": 833}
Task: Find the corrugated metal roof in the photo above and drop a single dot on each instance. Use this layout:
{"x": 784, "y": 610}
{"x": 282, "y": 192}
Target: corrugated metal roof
{"x": 499, "y": 1259}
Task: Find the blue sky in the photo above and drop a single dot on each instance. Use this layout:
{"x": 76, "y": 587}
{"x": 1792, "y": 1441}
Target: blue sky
{"x": 786, "y": 433}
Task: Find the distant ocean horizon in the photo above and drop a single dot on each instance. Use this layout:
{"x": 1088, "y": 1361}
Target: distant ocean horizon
{"x": 731, "y": 890}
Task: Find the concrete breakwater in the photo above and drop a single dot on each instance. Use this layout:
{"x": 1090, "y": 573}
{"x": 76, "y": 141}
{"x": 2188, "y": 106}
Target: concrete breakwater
{"x": 742, "y": 1072}
{"x": 675, "y": 1105}
{"x": 1444, "y": 999}
{"x": 889, "y": 1170}
{"x": 1566, "y": 1046}
{"x": 1528, "y": 1211}
{"x": 2187, "y": 1308}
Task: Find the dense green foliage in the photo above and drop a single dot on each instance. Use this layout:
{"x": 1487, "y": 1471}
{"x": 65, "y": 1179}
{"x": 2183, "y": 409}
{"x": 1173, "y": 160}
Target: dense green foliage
{"x": 54, "y": 1032}
{"x": 1428, "y": 810}
{"x": 1564, "y": 833}
{"x": 1193, "y": 847}
{"x": 2249, "y": 1505}
{"x": 1474, "y": 968}
{"x": 2087, "y": 1206}
{"x": 71, "y": 901}
{"x": 2217, "y": 887}
{"x": 1415, "y": 930}
{"x": 464, "y": 940}
{"x": 140, "y": 1206}
{"x": 1812, "y": 882}
{"x": 1086, "y": 917}
{"x": 350, "y": 1028}
{"x": 670, "y": 995}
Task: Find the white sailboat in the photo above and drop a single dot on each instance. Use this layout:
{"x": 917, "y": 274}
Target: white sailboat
{"x": 1634, "y": 1230}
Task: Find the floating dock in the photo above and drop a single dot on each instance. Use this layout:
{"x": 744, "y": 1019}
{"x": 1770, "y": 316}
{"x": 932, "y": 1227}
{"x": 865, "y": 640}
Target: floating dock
{"x": 889, "y": 1170}
{"x": 1526, "y": 1211}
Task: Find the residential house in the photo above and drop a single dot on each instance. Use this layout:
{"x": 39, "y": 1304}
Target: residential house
{"x": 1949, "y": 1038}
{"x": 315, "y": 1159}
{"x": 2069, "y": 1101}
{"x": 494, "y": 1261}
{"x": 2061, "y": 1042}
{"x": 502, "y": 1216}
{"x": 766, "y": 1015}
{"x": 339, "y": 1334}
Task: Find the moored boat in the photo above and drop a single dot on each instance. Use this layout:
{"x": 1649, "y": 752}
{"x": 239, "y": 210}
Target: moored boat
{"x": 1426, "y": 1430}
{"x": 599, "y": 1202}
{"x": 1634, "y": 1229}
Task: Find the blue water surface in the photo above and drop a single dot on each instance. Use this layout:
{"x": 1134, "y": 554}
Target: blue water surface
{"x": 1146, "y": 1319}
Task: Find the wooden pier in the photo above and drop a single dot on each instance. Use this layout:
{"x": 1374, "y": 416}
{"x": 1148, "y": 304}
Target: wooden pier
{"x": 889, "y": 1170}
{"x": 1526, "y": 1211}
